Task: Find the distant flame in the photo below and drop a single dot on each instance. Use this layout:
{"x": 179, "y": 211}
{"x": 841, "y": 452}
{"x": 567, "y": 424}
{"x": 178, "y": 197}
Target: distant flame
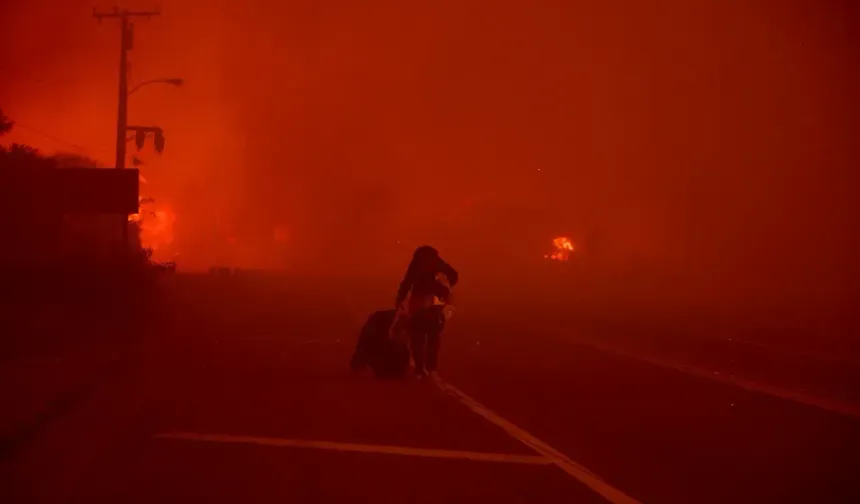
{"x": 563, "y": 248}
{"x": 156, "y": 228}
{"x": 155, "y": 222}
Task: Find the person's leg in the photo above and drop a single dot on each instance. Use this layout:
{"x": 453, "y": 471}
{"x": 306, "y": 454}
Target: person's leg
{"x": 419, "y": 351}
{"x": 420, "y": 327}
{"x": 434, "y": 337}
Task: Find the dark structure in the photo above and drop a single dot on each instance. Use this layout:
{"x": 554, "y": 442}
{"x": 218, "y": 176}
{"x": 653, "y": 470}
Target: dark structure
{"x": 36, "y": 204}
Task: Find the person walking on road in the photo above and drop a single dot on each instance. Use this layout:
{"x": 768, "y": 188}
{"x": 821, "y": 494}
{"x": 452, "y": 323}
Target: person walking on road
{"x": 423, "y": 304}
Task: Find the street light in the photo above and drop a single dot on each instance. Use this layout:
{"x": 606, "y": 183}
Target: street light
{"x": 126, "y": 43}
{"x": 141, "y": 131}
{"x": 172, "y": 82}
{"x": 122, "y": 122}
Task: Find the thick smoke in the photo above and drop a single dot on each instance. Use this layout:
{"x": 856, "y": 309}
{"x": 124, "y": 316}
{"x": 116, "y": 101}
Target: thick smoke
{"x": 707, "y": 146}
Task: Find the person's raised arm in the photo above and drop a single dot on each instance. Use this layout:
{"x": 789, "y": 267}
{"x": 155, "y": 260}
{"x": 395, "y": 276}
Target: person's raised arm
{"x": 449, "y": 272}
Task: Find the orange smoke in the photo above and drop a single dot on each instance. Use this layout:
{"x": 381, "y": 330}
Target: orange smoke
{"x": 281, "y": 234}
{"x": 563, "y": 248}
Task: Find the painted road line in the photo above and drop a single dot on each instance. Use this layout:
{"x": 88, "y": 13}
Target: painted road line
{"x": 795, "y": 352}
{"x": 831, "y": 405}
{"x": 361, "y": 448}
{"x": 586, "y": 477}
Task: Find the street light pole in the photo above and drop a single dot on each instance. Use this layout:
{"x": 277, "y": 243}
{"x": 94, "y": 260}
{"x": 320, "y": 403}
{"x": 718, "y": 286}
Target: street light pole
{"x": 122, "y": 110}
{"x": 126, "y": 42}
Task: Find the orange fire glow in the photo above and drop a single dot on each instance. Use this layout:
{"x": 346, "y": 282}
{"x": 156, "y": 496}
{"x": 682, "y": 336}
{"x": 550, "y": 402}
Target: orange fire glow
{"x": 155, "y": 224}
{"x": 563, "y": 248}
{"x": 156, "y": 227}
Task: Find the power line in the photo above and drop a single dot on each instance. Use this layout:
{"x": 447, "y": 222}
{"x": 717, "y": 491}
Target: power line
{"x": 126, "y": 45}
{"x": 55, "y": 139}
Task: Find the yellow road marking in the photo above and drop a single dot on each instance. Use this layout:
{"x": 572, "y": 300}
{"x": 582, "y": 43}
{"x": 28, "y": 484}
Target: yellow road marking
{"x": 831, "y": 405}
{"x": 361, "y": 448}
{"x": 561, "y": 460}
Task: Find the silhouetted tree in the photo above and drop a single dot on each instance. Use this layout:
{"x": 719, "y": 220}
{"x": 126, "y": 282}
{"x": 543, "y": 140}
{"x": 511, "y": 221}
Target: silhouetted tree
{"x": 5, "y": 123}
{"x": 35, "y": 228}
{"x": 23, "y": 157}
{"x": 72, "y": 160}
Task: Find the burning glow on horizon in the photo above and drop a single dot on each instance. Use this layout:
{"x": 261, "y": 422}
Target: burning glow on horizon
{"x": 563, "y": 248}
{"x": 156, "y": 228}
{"x": 155, "y": 224}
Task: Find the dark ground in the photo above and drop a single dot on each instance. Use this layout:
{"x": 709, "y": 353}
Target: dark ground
{"x": 252, "y": 357}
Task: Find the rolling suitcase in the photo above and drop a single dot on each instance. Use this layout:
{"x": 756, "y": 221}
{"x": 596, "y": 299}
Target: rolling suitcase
{"x": 387, "y": 357}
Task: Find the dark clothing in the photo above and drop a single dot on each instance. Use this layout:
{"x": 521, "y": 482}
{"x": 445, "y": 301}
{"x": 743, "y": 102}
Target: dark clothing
{"x": 421, "y": 279}
{"x": 425, "y": 327}
{"x": 419, "y": 322}
{"x": 427, "y": 284}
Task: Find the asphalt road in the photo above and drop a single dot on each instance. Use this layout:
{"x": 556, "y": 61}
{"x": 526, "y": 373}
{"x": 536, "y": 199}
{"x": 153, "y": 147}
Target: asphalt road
{"x": 243, "y": 395}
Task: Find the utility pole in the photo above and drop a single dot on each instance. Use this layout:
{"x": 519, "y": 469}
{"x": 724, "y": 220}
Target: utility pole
{"x": 126, "y": 43}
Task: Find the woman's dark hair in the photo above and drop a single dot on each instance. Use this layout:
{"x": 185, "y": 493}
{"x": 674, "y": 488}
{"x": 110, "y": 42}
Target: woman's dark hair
{"x": 425, "y": 252}
{"x": 424, "y": 259}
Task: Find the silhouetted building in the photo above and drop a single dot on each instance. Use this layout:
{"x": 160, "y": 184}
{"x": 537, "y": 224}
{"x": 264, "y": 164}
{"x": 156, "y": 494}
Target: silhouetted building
{"x": 42, "y": 209}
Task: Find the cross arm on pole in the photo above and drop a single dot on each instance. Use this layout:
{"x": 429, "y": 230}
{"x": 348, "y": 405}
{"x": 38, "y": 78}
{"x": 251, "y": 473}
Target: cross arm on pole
{"x": 116, "y": 13}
